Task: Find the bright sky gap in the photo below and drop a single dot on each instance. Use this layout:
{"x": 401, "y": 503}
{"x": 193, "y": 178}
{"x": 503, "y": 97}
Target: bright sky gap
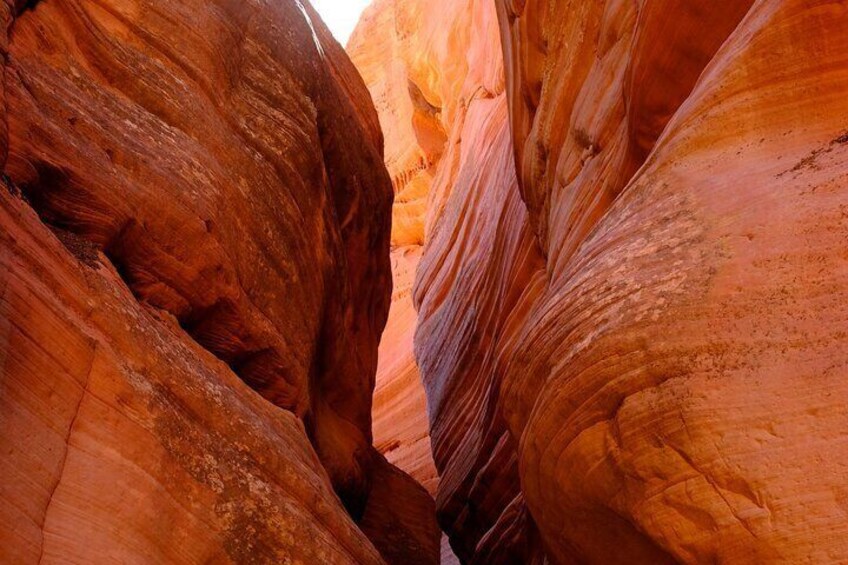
{"x": 340, "y": 16}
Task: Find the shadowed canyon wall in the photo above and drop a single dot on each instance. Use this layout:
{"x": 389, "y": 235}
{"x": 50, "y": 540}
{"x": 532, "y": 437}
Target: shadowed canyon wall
{"x": 430, "y": 70}
{"x": 635, "y": 350}
{"x": 195, "y": 211}
{"x": 413, "y": 58}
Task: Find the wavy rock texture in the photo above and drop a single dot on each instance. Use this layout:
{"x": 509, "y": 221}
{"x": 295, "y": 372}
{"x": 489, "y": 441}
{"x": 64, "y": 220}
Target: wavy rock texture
{"x": 417, "y": 60}
{"x": 123, "y": 439}
{"x": 479, "y": 499}
{"x": 636, "y": 353}
{"x": 231, "y": 208}
{"x": 401, "y": 427}
{"x": 381, "y": 47}
{"x": 471, "y": 292}
{"x": 414, "y": 57}
{"x": 428, "y": 67}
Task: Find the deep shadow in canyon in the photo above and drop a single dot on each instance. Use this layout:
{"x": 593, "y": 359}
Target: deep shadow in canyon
{"x": 501, "y": 283}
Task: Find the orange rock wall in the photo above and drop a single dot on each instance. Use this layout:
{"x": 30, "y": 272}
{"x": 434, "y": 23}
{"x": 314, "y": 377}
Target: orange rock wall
{"x": 401, "y": 426}
{"x": 636, "y": 352}
{"x": 433, "y": 71}
{"x": 124, "y": 439}
{"x": 419, "y": 60}
{"x": 480, "y": 261}
{"x": 421, "y": 63}
{"x": 191, "y": 212}
{"x": 670, "y": 370}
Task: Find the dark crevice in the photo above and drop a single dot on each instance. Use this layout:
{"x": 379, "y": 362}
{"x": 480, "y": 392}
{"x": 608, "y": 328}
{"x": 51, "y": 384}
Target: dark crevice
{"x": 27, "y": 5}
{"x": 19, "y": 8}
{"x": 37, "y": 193}
{"x": 220, "y": 330}
{"x": 11, "y": 187}
{"x": 36, "y": 197}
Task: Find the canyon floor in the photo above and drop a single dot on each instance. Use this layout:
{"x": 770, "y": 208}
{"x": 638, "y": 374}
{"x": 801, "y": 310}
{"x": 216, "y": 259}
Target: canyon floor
{"x": 496, "y": 282}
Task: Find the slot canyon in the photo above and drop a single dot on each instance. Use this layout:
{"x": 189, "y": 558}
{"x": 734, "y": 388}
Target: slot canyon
{"x": 489, "y": 282}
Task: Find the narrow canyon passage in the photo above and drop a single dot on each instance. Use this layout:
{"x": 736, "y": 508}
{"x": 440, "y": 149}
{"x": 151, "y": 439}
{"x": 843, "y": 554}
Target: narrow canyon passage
{"x": 608, "y": 337}
{"x": 494, "y": 282}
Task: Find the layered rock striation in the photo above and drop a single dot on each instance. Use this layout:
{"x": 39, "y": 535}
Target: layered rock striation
{"x": 436, "y": 77}
{"x": 195, "y": 211}
{"x": 634, "y": 349}
{"x": 124, "y": 439}
{"x": 400, "y": 423}
{"x": 418, "y": 62}
{"x": 632, "y": 296}
{"x": 677, "y": 391}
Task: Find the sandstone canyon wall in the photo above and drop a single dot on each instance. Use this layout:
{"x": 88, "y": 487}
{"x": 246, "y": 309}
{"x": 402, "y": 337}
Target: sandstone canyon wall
{"x": 379, "y": 48}
{"x": 634, "y": 349}
{"x": 418, "y": 61}
{"x": 618, "y": 239}
{"x": 679, "y": 390}
{"x": 195, "y": 211}
{"x": 431, "y": 68}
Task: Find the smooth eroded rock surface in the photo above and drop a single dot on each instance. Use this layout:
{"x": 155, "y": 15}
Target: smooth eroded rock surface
{"x": 435, "y": 72}
{"x": 470, "y": 306}
{"x": 123, "y": 439}
{"x": 401, "y": 427}
{"x": 210, "y": 166}
{"x": 196, "y": 207}
{"x": 679, "y": 391}
{"x": 636, "y": 352}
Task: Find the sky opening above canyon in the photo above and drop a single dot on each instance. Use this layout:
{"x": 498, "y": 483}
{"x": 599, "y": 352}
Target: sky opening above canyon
{"x": 341, "y": 16}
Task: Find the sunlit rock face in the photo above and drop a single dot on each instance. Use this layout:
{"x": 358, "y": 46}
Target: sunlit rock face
{"x": 635, "y": 351}
{"x": 196, "y": 216}
{"x": 401, "y": 427}
{"x": 414, "y": 57}
{"x": 418, "y": 62}
{"x": 415, "y": 137}
{"x": 679, "y": 390}
{"x": 382, "y": 48}
{"x": 435, "y": 73}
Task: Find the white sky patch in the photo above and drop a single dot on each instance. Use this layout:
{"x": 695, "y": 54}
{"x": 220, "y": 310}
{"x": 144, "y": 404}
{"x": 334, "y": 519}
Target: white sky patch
{"x": 341, "y": 16}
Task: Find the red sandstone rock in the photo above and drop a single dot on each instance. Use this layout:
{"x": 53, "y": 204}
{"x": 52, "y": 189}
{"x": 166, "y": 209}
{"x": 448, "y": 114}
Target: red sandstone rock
{"x": 218, "y": 220}
{"x": 216, "y": 169}
{"x": 671, "y": 364}
{"x": 380, "y": 47}
{"x": 399, "y": 517}
{"x": 383, "y": 47}
{"x": 633, "y": 350}
{"x": 418, "y": 58}
{"x": 674, "y": 382}
{"x": 435, "y": 70}
{"x": 412, "y": 56}
{"x": 401, "y": 427}
{"x": 468, "y": 306}
{"x": 122, "y": 439}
